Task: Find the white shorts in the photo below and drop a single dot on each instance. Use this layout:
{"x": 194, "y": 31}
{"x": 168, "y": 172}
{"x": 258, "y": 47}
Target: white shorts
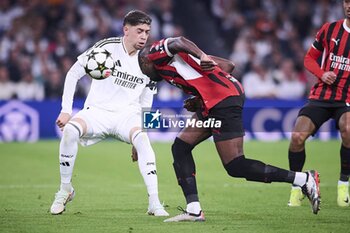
{"x": 102, "y": 124}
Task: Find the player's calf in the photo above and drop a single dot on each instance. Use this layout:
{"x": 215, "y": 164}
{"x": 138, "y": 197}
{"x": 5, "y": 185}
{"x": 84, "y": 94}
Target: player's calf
{"x": 185, "y": 169}
{"x": 254, "y": 170}
{"x": 68, "y": 151}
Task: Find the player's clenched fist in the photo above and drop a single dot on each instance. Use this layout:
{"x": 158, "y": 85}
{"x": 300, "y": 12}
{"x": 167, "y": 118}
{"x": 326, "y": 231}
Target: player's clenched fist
{"x": 193, "y": 104}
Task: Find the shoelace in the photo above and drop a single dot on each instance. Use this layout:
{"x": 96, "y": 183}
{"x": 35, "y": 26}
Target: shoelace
{"x": 187, "y": 213}
{"x": 61, "y": 197}
{"x": 182, "y": 210}
{"x": 304, "y": 188}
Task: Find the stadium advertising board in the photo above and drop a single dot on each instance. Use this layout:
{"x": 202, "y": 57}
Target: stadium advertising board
{"x": 265, "y": 120}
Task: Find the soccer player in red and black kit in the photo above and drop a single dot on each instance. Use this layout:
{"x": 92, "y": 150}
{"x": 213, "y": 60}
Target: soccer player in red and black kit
{"x": 329, "y": 98}
{"x": 181, "y": 63}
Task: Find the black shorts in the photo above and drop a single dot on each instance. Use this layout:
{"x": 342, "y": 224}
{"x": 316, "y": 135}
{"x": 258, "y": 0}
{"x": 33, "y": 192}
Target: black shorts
{"x": 229, "y": 112}
{"x": 320, "y": 112}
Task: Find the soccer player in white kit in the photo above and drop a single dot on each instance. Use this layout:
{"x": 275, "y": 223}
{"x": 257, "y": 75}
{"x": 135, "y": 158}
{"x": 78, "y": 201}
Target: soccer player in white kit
{"x": 112, "y": 109}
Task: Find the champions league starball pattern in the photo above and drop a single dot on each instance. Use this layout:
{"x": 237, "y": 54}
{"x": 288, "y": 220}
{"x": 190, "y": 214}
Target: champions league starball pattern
{"x": 99, "y": 64}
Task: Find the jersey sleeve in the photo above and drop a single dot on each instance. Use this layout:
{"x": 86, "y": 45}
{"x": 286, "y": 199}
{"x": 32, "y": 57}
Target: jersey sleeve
{"x": 82, "y": 58}
{"x": 320, "y": 36}
{"x": 315, "y": 51}
{"x": 75, "y": 73}
{"x": 159, "y": 53}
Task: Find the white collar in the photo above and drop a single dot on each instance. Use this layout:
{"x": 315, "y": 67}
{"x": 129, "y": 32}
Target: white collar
{"x": 346, "y": 26}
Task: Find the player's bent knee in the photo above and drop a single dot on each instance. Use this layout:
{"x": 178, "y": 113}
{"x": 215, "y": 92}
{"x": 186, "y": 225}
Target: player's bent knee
{"x": 298, "y": 138}
{"x": 142, "y": 143}
{"x": 235, "y": 168}
{"x": 80, "y": 124}
{"x": 345, "y": 135}
{"x": 140, "y": 135}
{"x": 180, "y": 148}
{"x": 346, "y": 142}
{"x": 183, "y": 160}
{"x": 134, "y": 132}
{"x": 71, "y": 132}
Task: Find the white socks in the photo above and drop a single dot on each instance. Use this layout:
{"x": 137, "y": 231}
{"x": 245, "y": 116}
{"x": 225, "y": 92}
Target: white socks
{"x": 68, "y": 152}
{"x": 147, "y": 164}
{"x": 146, "y": 159}
{"x": 67, "y": 187}
{"x": 343, "y": 182}
{"x": 300, "y": 179}
{"x": 193, "y": 207}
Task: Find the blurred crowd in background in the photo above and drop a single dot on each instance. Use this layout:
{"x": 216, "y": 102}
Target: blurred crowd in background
{"x": 266, "y": 39}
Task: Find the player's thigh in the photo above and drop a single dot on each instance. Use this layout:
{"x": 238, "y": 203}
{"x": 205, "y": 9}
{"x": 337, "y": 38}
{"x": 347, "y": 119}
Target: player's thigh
{"x": 230, "y": 118}
{"x": 229, "y": 149}
{"x": 194, "y": 135}
{"x": 82, "y": 124}
{"x": 228, "y": 137}
{"x": 129, "y": 121}
{"x": 303, "y": 128}
{"x": 96, "y": 121}
{"x": 310, "y": 119}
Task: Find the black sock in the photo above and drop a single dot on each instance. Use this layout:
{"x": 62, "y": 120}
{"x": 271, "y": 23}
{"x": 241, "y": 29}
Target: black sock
{"x": 185, "y": 169}
{"x": 255, "y": 170}
{"x": 344, "y": 163}
{"x": 277, "y": 174}
{"x": 296, "y": 160}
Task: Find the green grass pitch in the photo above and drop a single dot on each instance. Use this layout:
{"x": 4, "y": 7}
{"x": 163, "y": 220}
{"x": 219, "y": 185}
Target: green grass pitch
{"x": 111, "y": 197}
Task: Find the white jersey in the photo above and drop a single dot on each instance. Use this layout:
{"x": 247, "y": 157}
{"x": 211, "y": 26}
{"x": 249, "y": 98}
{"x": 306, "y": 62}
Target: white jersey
{"x": 128, "y": 86}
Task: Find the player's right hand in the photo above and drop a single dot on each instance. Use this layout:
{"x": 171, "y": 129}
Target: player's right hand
{"x": 329, "y": 77}
{"x": 207, "y": 63}
{"x": 134, "y": 155}
{"x": 193, "y": 104}
{"x": 62, "y": 119}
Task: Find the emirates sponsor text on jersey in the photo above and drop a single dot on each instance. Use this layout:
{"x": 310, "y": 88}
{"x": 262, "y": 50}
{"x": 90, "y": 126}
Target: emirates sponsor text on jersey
{"x": 339, "y": 62}
{"x": 127, "y": 80}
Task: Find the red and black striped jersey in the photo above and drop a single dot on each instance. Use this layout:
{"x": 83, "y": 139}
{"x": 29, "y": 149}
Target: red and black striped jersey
{"x": 333, "y": 43}
{"x": 183, "y": 71}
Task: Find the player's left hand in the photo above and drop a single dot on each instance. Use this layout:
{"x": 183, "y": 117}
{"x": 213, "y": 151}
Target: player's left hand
{"x": 207, "y": 64}
{"x": 329, "y": 77}
{"x": 134, "y": 155}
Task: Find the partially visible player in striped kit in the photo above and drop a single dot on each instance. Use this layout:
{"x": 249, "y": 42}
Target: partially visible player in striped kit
{"x": 329, "y": 98}
{"x": 220, "y": 97}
